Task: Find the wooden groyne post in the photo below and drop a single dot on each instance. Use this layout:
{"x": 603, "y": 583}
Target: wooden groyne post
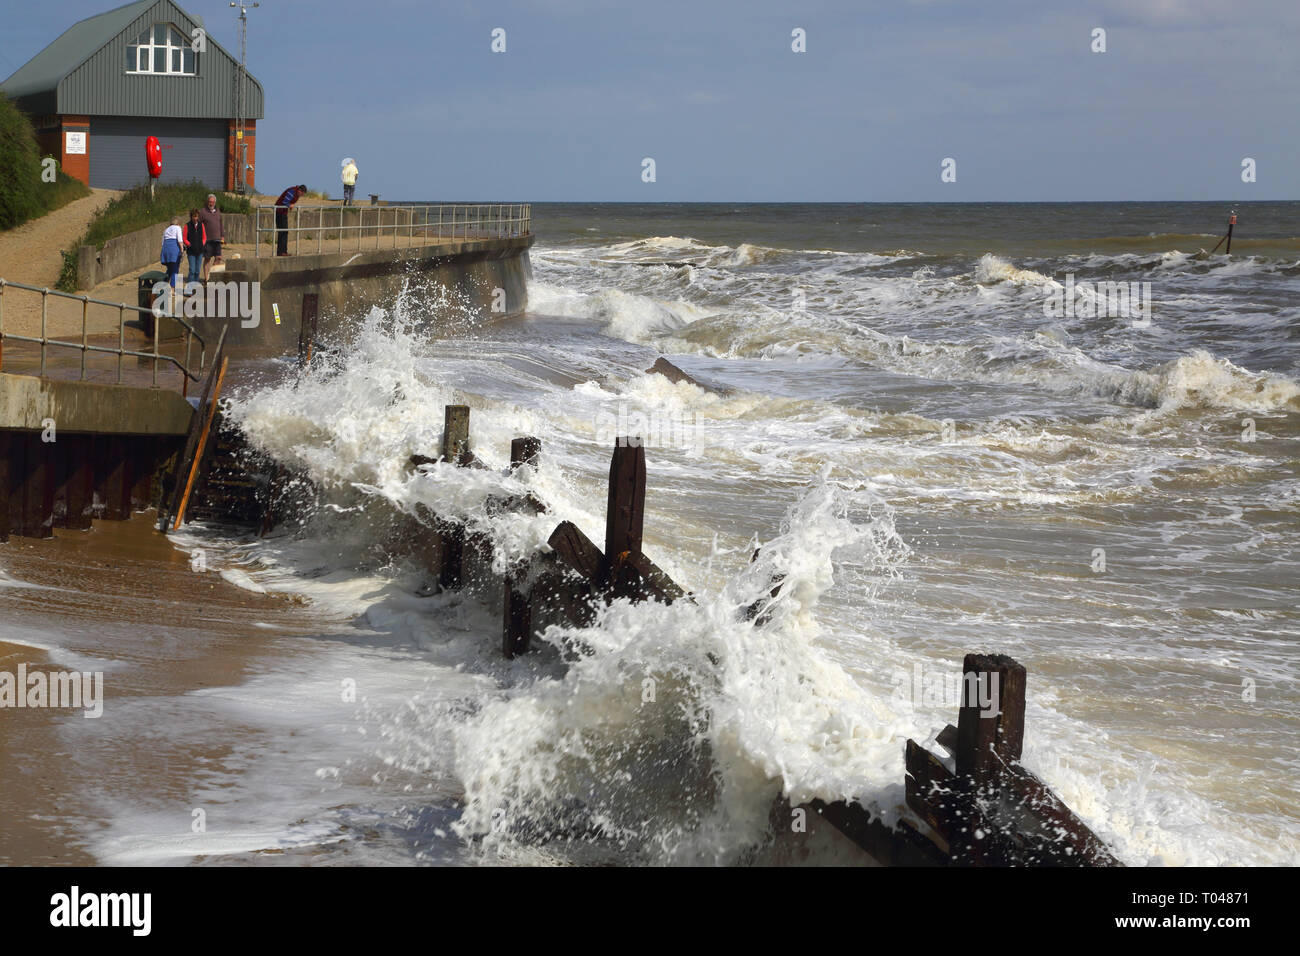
{"x": 986, "y": 811}
{"x": 517, "y": 605}
{"x": 622, "y": 570}
{"x": 455, "y": 449}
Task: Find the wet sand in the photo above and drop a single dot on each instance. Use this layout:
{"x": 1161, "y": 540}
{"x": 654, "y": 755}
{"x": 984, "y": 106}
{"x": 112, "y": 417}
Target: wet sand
{"x": 121, "y": 599}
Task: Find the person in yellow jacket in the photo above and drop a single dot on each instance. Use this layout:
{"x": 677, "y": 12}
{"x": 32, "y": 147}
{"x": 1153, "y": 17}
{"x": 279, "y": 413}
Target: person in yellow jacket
{"x": 349, "y": 182}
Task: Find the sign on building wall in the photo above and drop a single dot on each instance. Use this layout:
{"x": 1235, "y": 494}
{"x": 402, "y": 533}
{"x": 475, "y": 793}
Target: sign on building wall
{"x": 75, "y": 143}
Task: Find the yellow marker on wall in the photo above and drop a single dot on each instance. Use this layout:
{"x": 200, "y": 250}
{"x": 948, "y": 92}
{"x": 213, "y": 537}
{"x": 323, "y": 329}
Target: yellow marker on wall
{"x": 275, "y": 308}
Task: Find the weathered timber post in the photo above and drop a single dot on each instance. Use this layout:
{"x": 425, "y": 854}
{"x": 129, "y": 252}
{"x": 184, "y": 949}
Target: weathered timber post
{"x": 990, "y": 737}
{"x": 455, "y": 449}
{"x": 307, "y": 330}
{"x": 455, "y": 434}
{"x": 517, "y": 613}
{"x": 991, "y": 723}
{"x": 992, "y": 811}
{"x": 624, "y": 514}
{"x": 585, "y": 572}
{"x": 524, "y": 451}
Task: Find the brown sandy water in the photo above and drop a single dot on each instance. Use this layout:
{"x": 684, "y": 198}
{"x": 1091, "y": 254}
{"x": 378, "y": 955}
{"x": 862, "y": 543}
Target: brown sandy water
{"x": 121, "y": 599}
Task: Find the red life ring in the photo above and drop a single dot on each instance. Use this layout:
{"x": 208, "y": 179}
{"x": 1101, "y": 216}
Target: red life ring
{"x": 153, "y": 156}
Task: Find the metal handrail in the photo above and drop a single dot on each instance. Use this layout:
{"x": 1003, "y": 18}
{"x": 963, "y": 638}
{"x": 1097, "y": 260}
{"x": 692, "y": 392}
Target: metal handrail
{"x": 425, "y": 222}
{"x": 45, "y": 342}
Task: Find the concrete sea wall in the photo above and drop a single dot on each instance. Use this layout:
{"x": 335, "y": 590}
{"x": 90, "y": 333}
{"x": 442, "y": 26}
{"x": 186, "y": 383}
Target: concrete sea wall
{"x": 456, "y": 280}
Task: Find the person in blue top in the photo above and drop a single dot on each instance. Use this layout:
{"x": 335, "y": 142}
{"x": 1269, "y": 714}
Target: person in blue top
{"x": 173, "y": 243}
{"x": 282, "y": 207}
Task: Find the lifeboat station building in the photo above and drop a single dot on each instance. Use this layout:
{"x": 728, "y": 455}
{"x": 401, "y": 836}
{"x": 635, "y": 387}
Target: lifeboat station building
{"x": 145, "y": 69}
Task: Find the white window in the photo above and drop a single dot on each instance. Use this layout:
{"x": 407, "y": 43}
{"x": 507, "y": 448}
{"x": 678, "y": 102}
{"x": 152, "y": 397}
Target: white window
{"x": 161, "y": 49}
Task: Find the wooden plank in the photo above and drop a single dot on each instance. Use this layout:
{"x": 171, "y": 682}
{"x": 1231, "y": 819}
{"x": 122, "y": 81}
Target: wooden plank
{"x": 576, "y": 551}
{"x": 559, "y": 594}
{"x": 1060, "y": 837}
{"x": 947, "y": 739}
{"x": 890, "y": 847}
{"x": 929, "y": 790}
{"x": 639, "y": 578}
{"x": 625, "y": 509}
{"x": 199, "y": 449}
{"x": 183, "y": 463}
{"x": 990, "y": 732}
{"x": 504, "y": 504}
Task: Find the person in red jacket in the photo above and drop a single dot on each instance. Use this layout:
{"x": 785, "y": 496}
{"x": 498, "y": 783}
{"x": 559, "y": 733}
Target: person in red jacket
{"x": 282, "y": 207}
{"x": 196, "y": 239}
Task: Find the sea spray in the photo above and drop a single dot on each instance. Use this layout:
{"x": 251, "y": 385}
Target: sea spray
{"x": 676, "y": 727}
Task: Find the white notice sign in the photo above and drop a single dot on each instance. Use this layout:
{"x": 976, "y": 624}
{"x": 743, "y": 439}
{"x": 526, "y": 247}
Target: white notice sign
{"x": 76, "y": 143}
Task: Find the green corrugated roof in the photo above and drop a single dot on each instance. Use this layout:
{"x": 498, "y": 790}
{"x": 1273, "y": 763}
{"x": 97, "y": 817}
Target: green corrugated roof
{"x": 42, "y": 73}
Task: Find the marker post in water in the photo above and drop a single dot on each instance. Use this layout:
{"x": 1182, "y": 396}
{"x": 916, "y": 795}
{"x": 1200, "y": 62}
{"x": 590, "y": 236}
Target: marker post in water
{"x": 1232, "y": 221}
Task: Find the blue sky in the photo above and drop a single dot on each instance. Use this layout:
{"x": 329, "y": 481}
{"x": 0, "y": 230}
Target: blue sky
{"x": 712, "y": 91}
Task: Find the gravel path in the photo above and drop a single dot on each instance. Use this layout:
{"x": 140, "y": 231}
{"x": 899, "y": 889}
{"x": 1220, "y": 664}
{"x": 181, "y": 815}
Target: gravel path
{"x": 31, "y": 253}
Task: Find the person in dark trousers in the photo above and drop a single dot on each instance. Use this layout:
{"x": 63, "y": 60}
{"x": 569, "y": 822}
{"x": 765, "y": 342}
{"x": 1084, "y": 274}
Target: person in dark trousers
{"x": 173, "y": 243}
{"x": 282, "y": 207}
{"x": 196, "y": 240}
{"x": 210, "y": 216}
{"x": 349, "y": 181}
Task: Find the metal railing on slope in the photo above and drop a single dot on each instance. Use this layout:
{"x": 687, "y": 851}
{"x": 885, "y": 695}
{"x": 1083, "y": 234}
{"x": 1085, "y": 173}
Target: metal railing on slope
{"x": 121, "y": 351}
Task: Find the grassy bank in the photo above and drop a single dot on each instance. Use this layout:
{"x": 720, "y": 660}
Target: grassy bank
{"x": 26, "y": 191}
{"x": 135, "y": 209}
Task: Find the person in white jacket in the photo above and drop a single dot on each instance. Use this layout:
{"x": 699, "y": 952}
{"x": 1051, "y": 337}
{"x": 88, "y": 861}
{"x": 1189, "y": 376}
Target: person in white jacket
{"x": 349, "y": 182}
{"x": 173, "y": 248}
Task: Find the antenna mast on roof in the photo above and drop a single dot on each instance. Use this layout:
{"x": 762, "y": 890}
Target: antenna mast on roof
{"x": 241, "y": 103}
